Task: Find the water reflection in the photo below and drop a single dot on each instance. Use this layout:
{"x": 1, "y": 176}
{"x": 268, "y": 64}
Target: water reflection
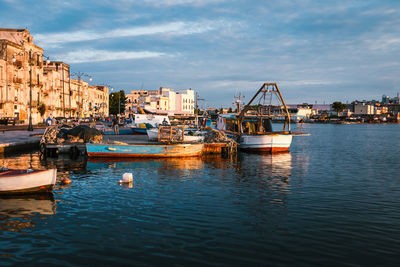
{"x": 269, "y": 175}
{"x": 18, "y": 213}
{"x": 266, "y": 165}
{"x": 189, "y": 163}
{"x": 63, "y": 163}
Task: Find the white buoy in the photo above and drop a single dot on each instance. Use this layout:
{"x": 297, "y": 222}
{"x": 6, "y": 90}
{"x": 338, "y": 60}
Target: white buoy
{"x": 126, "y": 178}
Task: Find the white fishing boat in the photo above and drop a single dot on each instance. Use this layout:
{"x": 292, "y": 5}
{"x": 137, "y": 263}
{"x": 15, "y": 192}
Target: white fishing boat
{"x": 26, "y": 181}
{"x": 252, "y": 127}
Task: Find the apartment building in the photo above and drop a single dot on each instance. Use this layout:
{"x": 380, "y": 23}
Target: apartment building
{"x": 161, "y": 101}
{"x": 30, "y": 84}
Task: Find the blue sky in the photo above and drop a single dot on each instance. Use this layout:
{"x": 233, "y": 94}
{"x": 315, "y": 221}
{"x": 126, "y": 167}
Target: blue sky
{"x": 315, "y": 50}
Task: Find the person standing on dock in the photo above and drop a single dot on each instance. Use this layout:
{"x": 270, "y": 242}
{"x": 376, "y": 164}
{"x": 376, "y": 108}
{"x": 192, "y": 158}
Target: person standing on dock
{"x": 115, "y": 125}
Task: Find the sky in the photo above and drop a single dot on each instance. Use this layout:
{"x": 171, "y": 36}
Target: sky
{"x": 317, "y": 51}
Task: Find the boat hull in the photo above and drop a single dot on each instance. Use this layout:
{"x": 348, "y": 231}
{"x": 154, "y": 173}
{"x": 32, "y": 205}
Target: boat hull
{"x": 19, "y": 182}
{"x": 265, "y": 142}
{"x": 121, "y": 131}
{"x": 148, "y": 150}
{"x": 139, "y": 131}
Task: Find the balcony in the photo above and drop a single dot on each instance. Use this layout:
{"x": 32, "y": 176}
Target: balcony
{"x": 17, "y": 80}
{"x": 18, "y": 64}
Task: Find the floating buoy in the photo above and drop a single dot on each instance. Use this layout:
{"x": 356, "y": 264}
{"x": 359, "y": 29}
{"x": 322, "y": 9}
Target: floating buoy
{"x": 126, "y": 178}
{"x": 66, "y": 181}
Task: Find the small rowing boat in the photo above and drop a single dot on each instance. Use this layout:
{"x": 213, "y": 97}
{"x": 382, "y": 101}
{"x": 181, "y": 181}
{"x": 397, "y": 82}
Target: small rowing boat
{"x": 156, "y": 150}
{"x": 26, "y": 181}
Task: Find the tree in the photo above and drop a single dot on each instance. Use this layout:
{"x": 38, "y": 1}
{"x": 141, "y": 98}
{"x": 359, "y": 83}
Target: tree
{"x": 115, "y": 99}
{"x": 42, "y": 109}
{"x": 338, "y": 106}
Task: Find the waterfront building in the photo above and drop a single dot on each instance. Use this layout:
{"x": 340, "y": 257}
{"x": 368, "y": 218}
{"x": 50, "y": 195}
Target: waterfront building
{"x": 161, "y": 101}
{"x": 185, "y": 102}
{"x": 96, "y": 101}
{"x": 132, "y": 101}
{"x": 20, "y": 57}
{"x": 362, "y": 108}
{"x": 56, "y": 94}
{"x": 28, "y": 82}
{"x": 345, "y": 113}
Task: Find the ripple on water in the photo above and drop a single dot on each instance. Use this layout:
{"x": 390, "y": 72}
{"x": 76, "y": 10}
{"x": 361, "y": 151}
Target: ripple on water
{"x": 327, "y": 202}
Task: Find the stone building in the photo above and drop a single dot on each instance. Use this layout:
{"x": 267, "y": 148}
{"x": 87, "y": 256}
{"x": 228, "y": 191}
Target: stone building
{"x": 21, "y": 75}
{"x": 28, "y": 82}
{"x": 132, "y": 100}
{"x": 56, "y": 92}
{"x": 96, "y": 102}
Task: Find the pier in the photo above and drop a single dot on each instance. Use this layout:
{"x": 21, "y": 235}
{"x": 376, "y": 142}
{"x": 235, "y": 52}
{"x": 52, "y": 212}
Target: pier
{"x": 19, "y": 140}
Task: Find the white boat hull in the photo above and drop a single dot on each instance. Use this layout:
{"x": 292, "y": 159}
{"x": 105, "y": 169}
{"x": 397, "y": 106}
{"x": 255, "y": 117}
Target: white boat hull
{"x": 265, "y": 142}
{"x": 28, "y": 182}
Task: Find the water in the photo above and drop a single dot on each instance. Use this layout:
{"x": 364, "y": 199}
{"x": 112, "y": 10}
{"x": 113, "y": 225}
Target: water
{"x": 333, "y": 200}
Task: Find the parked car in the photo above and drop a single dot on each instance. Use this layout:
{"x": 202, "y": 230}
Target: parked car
{"x": 8, "y": 120}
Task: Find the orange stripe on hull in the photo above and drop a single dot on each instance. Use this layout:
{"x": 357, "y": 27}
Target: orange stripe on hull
{"x": 37, "y": 189}
{"x": 125, "y": 155}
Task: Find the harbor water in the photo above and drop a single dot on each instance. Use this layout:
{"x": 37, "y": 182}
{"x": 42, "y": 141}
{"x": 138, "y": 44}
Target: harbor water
{"x": 333, "y": 200}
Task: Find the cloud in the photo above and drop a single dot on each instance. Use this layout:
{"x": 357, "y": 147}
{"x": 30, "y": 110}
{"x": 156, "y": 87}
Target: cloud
{"x": 91, "y": 55}
{"x": 174, "y": 28}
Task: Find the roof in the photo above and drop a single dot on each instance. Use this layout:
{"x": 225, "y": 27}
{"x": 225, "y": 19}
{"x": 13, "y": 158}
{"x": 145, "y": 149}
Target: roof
{"x": 13, "y": 30}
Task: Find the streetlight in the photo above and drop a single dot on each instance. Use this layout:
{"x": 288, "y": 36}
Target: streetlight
{"x": 80, "y": 75}
{"x": 13, "y": 59}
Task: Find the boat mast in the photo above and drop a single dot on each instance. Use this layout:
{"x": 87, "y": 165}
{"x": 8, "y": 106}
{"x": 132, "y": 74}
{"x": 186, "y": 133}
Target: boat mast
{"x": 246, "y": 108}
{"x": 286, "y": 109}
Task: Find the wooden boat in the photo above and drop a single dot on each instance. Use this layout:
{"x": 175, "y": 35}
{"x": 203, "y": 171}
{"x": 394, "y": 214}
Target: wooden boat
{"x": 121, "y": 131}
{"x": 138, "y": 130}
{"x": 170, "y": 144}
{"x": 252, "y": 127}
{"x": 151, "y": 150}
{"x": 27, "y": 181}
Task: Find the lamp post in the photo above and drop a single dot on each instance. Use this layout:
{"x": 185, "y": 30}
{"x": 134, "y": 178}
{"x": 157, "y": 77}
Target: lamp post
{"x": 13, "y": 59}
{"x": 79, "y": 75}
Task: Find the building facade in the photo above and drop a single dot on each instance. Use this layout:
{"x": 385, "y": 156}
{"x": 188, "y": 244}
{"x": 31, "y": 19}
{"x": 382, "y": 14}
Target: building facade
{"x": 31, "y": 85}
{"x": 161, "y": 101}
{"x": 21, "y": 78}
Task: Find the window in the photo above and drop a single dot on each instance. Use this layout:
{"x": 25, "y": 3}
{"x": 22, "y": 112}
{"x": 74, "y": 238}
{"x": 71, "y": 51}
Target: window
{"x": 37, "y": 76}
{"x": 37, "y": 60}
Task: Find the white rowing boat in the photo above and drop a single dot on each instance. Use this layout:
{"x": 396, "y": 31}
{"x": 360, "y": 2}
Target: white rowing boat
{"x": 26, "y": 181}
